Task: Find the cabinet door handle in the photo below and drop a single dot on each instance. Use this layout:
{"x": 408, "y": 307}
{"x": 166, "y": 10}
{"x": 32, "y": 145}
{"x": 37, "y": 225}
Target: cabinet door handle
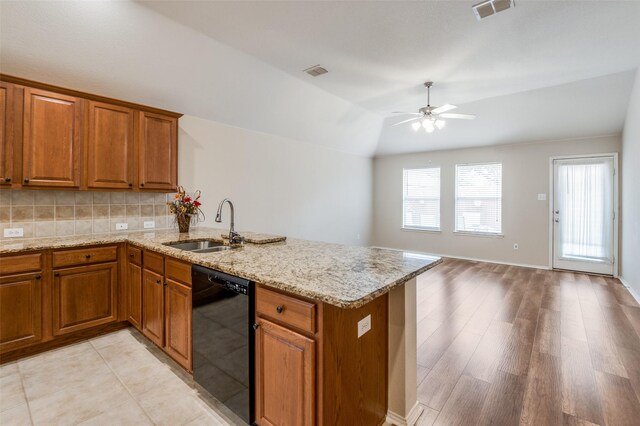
{"x": 57, "y": 274}
{"x": 279, "y": 309}
{"x": 26, "y": 180}
{"x": 142, "y": 184}
{"x": 38, "y": 277}
{"x": 256, "y": 326}
{"x": 131, "y": 255}
{"x": 7, "y": 179}
{"x": 158, "y": 281}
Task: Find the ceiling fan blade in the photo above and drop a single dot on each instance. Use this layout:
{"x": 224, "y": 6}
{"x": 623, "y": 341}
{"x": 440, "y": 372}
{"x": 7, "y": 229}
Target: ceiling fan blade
{"x": 443, "y": 108}
{"x": 460, "y": 116}
{"x": 406, "y": 113}
{"x": 406, "y": 121}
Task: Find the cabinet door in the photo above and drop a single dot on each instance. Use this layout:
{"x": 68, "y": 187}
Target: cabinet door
{"x": 134, "y": 295}
{"x": 153, "y": 306}
{"x": 7, "y": 121}
{"x": 20, "y": 311}
{"x": 178, "y": 322}
{"x": 84, "y": 297}
{"x": 285, "y": 377}
{"x": 158, "y": 151}
{"x": 110, "y": 151}
{"x": 51, "y": 139}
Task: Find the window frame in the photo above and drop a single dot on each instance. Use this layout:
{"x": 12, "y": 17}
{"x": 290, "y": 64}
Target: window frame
{"x": 488, "y": 234}
{"x": 405, "y": 227}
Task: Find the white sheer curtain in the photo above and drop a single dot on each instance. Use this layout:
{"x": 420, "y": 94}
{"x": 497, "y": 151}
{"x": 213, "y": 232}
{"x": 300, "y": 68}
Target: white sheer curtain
{"x": 586, "y": 208}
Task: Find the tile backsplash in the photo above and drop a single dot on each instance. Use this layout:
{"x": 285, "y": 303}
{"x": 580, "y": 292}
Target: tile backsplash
{"x": 43, "y": 213}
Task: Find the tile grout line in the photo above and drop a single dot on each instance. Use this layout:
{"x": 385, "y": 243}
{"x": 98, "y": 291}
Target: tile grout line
{"x": 122, "y": 383}
{"x": 24, "y": 392}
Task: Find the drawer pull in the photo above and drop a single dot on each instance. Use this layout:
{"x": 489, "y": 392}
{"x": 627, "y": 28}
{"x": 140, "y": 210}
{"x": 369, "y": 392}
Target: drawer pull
{"x": 279, "y": 309}
{"x": 26, "y": 180}
{"x": 88, "y": 256}
{"x": 7, "y": 179}
{"x": 131, "y": 255}
{"x": 38, "y": 277}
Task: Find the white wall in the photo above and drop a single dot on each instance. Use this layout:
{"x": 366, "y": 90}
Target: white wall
{"x": 525, "y": 169}
{"x": 630, "y": 235}
{"x": 277, "y": 185}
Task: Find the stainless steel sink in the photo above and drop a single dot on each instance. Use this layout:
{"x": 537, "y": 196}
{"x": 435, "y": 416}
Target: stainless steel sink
{"x": 205, "y": 246}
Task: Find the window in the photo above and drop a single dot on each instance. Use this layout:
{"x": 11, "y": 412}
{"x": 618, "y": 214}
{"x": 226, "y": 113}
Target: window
{"x": 479, "y": 198}
{"x": 421, "y": 199}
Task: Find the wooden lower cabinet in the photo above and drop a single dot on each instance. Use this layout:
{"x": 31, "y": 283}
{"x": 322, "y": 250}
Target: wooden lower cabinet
{"x": 153, "y": 306}
{"x": 20, "y": 311}
{"x": 178, "y": 322}
{"x": 84, "y": 297}
{"x": 285, "y": 376}
{"x": 134, "y": 295}
{"x": 311, "y": 366}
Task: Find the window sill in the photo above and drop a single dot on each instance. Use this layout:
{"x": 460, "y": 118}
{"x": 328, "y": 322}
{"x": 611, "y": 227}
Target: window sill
{"x": 431, "y": 230}
{"x": 478, "y": 234}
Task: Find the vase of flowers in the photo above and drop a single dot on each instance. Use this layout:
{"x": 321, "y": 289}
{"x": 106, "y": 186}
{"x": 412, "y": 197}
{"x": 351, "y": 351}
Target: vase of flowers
{"x": 186, "y": 209}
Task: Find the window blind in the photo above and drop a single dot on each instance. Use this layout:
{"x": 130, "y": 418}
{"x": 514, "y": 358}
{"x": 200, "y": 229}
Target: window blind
{"x": 421, "y": 198}
{"x": 479, "y": 198}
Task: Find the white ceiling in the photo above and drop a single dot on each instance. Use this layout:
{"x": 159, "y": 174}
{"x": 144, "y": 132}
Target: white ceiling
{"x": 379, "y": 52}
{"x": 240, "y": 63}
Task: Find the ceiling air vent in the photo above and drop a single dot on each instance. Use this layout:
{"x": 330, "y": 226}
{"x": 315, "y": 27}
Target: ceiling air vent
{"x": 315, "y": 71}
{"x": 491, "y": 7}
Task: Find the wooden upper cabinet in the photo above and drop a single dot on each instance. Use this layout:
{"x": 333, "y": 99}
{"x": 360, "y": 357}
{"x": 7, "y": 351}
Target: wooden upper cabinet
{"x": 157, "y": 151}
{"x": 6, "y": 133}
{"x": 110, "y": 148}
{"x": 51, "y": 139}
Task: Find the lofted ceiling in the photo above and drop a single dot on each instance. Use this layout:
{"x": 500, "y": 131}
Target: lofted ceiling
{"x": 378, "y": 53}
{"x": 543, "y": 70}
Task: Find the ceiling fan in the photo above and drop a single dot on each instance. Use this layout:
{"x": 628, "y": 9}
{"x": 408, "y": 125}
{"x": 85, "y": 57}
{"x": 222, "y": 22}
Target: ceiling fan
{"x": 430, "y": 117}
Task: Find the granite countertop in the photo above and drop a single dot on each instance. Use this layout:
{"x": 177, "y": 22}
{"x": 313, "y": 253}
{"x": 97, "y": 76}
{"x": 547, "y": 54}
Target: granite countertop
{"x": 344, "y": 276}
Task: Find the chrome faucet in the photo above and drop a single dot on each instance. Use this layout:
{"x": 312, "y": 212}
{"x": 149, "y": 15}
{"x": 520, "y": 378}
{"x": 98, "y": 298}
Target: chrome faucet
{"x": 234, "y": 237}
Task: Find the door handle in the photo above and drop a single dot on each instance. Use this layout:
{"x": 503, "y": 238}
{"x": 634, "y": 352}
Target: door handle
{"x": 557, "y": 220}
{"x": 557, "y": 212}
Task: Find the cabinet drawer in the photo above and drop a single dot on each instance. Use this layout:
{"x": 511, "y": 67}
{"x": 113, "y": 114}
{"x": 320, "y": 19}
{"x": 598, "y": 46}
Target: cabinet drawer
{"x": 134, "y": 255}
{"x": 178, "y": 270}
{"x": 289, "y": 310}
{"x": 154, "y": 262}
{"x": 21, "y": 263}
{"x": 84, "y": 256}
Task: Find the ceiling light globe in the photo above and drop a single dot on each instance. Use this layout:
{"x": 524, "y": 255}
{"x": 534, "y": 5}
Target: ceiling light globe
{"x": 440, "y": 124}
{"x": 415, "y": 125}
{"x": 428, "y": 125}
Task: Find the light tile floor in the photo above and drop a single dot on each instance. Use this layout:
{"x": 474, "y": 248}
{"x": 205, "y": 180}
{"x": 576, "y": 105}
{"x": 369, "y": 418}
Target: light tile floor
{"x": 116, "y": 379}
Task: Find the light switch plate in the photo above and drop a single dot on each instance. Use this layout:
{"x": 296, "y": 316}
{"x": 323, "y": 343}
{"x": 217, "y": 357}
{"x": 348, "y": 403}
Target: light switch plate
{"x": 149, "y": 224}
{"x": 364, "y": 325}
{"x": 542, "y": 197}
{"x": 13, "y": 232}
{"x": 122, "y": 226}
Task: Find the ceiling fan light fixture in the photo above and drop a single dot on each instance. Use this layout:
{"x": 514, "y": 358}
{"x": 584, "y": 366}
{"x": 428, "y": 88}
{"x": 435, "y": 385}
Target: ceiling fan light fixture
{"x": 428, "y": 125}
{"x": 440, "y": 123}
{"x": 415, "y": 125}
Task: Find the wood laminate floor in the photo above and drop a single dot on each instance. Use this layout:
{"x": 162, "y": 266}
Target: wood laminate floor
{"x": 505, "y": 345}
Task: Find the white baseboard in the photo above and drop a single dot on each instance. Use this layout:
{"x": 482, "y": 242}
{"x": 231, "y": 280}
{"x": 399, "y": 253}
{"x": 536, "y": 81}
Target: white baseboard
{"x": 410, "y": 420}
{"x": 633, "y": 292}
{"x": 474, "y": 259}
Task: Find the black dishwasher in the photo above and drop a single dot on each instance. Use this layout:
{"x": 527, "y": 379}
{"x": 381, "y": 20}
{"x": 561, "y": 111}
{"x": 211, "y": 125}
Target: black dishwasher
{"x": 223, "y": 344}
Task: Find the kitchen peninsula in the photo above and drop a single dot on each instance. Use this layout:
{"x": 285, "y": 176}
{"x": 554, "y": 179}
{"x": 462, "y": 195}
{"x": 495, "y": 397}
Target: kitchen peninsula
{"x": 311, "y": 351}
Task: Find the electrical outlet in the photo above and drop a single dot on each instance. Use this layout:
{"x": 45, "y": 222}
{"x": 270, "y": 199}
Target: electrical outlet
{"x": 149, "y": 224}
{"x": 13, "y": 232}
{"x": 515, "y": 246}
{"x": 122, "y": 226}
{"x": 364, "y": 325}
{"x": 542, "y": 197}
